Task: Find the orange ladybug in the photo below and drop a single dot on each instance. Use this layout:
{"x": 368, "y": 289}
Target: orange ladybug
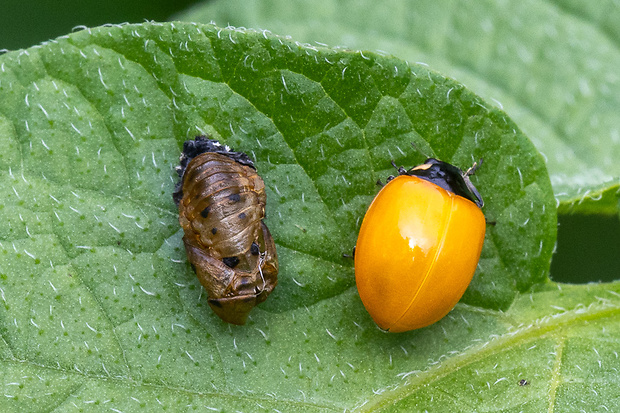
{"x": 419, "y": 245}
{"x": 221, "y": 202}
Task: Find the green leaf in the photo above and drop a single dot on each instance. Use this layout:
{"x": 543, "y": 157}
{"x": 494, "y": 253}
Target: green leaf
{"x": 564, "y": 361}
{"x": 99, "y": 309}
{"x": 552, "y": 64}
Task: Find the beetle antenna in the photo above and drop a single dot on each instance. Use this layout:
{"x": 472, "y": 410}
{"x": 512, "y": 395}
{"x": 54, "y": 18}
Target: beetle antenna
{"x": 400, "y": 169}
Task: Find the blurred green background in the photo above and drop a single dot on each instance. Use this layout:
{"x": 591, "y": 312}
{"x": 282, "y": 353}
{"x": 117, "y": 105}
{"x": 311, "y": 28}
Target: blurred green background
{"x": 24, "y": 23}
{"x": 588, "y": 247}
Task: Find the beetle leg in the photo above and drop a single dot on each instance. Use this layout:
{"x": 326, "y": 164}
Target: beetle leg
{"x": 471, "y": 186}
{"x": 473, "y": 168}
{"x": 349, "y": 256}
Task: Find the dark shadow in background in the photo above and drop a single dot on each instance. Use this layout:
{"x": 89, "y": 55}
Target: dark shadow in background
{"x": 588, "y": 249}
{"x": 25, "y": 23}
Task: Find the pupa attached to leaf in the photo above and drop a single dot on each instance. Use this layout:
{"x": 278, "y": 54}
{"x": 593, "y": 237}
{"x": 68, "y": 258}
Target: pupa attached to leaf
{"x": 221, "y": 202}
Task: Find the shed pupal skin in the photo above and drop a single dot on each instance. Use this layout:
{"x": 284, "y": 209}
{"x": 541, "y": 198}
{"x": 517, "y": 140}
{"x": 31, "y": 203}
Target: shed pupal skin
{"x": 221, "y": 202}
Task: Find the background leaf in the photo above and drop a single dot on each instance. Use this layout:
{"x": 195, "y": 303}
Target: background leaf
{"x": 552, "y": 64}
{"x": 100, "y": 310}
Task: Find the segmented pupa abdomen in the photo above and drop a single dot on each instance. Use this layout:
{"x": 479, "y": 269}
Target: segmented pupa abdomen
{"x": 223, "y": 206}
{"x": 221, "y": 203}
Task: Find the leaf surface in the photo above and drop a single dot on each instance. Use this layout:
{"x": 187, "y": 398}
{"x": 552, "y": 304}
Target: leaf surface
{"x": 100, "y": 309}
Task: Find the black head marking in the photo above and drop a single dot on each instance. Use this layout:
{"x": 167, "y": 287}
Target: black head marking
{"x": 242, "y": 215}
{"x": 234, "y": 197}
{"x": 448, "y": 177}
{"x": 231, "y": 261}
{"x": 213, "y": 231}
{"x": 200, "y": 145}
{"x": 254, "y": 249}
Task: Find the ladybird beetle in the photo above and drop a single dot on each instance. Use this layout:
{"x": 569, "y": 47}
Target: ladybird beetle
{"x": 221, "y": 202}
{"x": 419, "y": 245}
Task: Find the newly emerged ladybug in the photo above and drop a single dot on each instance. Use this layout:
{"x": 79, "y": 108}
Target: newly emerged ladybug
{"x": 419, "y": 245}
{"x": 221, "y": 203}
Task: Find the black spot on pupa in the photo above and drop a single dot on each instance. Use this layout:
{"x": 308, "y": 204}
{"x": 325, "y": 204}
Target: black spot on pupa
{"x": 204, "y": 212}
{"x": 254, "y": 249}
{"x": 215, "y": 303}
{"x": 242, "y": 215}
{"x": 231, "y": 261}
{"x": 234, "y": 197}
{"x": 214, "y": 231}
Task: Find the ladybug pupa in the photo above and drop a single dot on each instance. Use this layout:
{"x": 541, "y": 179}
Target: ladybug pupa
{"x": 221, "y": 202}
